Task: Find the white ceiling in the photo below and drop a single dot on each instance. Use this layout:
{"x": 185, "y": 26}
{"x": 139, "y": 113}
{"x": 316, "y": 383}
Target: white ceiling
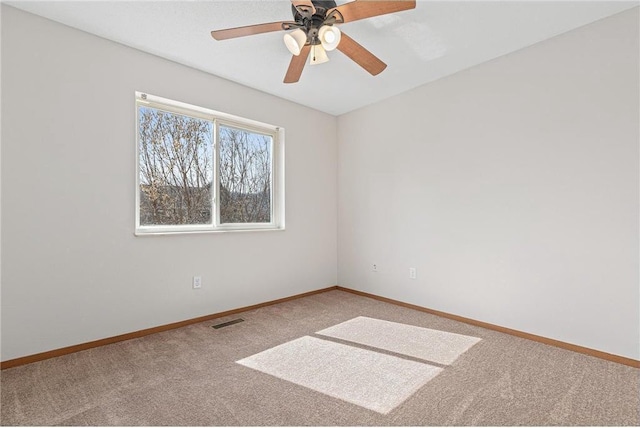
{"x": 433, "y": 40}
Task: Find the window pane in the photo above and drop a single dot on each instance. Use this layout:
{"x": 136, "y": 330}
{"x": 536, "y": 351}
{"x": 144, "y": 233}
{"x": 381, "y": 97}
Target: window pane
{"x": 175, "y": 157}
{"x": 245, "y": 176}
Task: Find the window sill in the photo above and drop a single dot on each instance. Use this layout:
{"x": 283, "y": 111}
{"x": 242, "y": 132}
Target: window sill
{"x": 192, "y": 232}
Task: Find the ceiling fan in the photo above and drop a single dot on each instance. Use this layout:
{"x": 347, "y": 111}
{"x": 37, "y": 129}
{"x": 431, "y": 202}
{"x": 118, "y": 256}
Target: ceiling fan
{"x": 314, "y": 32}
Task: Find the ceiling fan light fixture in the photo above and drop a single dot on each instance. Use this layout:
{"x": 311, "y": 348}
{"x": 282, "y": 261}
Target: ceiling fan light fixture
{"x": 318, "y": 55}
{"x": 329, "y": 37}
{"x": 295, "y": 40}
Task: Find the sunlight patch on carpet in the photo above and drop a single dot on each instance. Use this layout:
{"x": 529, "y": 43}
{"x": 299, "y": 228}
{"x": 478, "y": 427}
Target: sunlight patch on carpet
{"x": 430, "y": 345}
{"x": 373, "y": 380}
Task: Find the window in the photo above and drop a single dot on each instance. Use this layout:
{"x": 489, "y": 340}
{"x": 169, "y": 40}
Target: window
{"x": 201, "y": 170}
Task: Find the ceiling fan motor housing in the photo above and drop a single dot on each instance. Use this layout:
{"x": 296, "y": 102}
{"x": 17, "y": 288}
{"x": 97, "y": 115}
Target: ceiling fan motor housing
{"x": 322, "y": 6}
{"x": 311, "y": 24}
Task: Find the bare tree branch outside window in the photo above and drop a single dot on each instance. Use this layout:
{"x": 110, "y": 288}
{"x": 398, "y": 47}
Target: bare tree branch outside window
{"x": 176, "y": 171}
{"x": 176, "y": 168}
{"x": 245, "y": 176}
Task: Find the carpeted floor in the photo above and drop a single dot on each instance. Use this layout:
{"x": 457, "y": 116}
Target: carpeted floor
{"x": 425, "y": 344}
{"x": 189, "y": 376}
{"x": 367, "y": 378}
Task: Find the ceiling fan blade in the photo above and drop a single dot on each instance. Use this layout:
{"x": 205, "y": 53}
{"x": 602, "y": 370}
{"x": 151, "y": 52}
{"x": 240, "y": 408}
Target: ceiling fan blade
{"x": 249, "y": 30}
{"x": 360, "y": 9}
{"x": 360, "y": 55}
{"x": 297, "y": 65}
{"x": 304, "y": 5}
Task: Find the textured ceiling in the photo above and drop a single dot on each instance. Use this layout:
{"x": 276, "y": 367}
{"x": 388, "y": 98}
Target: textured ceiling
{"x": 421, "y": 45}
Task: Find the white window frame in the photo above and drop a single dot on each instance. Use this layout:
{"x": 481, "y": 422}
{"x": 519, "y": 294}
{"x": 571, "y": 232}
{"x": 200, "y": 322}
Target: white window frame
{"x": 217, "y": 119}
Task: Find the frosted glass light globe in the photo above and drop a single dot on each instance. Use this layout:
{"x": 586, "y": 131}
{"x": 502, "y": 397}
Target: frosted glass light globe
{"x": 329, "y": 37}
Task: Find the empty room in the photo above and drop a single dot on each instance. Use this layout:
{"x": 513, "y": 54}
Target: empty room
{"x": 325, "y": 213}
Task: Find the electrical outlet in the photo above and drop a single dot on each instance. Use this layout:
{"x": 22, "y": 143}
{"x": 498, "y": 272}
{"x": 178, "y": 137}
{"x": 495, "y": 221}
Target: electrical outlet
{"x": 197, "y": 282}
{"x": 413, "y": 274}
{"x": 374, "y": 267}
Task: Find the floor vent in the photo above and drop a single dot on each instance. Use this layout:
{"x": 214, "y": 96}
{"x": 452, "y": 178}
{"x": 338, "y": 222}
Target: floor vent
{"x": 224, "y": 324}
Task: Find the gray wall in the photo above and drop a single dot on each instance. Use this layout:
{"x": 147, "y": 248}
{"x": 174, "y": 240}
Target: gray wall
{"x": 72, "y": 269}
{"x": 512, "y": 187}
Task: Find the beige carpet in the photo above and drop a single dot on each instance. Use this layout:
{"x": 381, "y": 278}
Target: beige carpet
{"x": 189, "y": 377}
{"x": 424, "y": 343}
{"x": 375, "y": 381}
